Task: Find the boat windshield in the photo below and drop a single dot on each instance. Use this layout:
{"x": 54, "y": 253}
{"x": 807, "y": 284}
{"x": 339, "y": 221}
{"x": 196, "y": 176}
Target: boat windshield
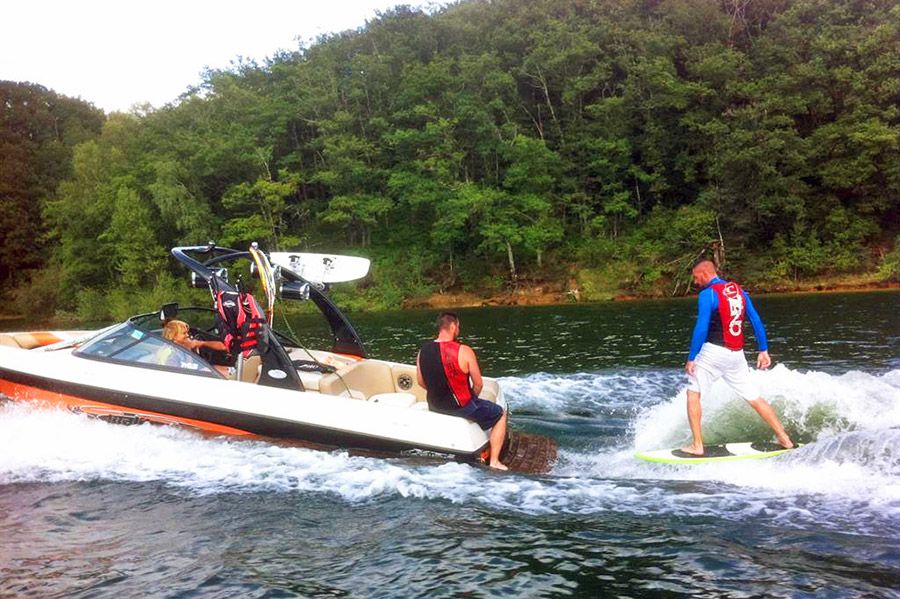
{"x": 126, "y": 344}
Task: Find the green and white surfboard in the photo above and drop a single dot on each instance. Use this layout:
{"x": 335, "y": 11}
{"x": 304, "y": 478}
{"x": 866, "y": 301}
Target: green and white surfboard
{"x": 727, "y": 452}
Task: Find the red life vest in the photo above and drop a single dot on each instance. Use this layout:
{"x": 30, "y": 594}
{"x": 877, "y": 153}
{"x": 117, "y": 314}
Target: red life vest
{"x": 456, "y": 378}
{"x": 726, "y": 326}
{"x": 242, "y": 320}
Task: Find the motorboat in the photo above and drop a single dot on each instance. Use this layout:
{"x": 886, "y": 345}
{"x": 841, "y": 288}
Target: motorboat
{"x": 339, "y": 397}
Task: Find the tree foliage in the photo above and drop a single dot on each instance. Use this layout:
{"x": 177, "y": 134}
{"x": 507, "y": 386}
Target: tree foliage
{"x": 38, "y": 131}
{"x": 515, "y": 136}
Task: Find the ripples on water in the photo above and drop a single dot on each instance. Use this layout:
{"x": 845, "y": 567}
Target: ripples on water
{"x": 826, "y": 332}
{"x": 92, "y": 509}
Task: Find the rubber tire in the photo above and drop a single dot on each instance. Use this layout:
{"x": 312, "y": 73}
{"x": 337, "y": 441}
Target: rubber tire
{"x": 529, "y": 453}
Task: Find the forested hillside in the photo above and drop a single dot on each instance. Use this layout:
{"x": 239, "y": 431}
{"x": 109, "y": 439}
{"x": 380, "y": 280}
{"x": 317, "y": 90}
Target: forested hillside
{"x": 38, "y": 131}
{"x": 603, "y": 143}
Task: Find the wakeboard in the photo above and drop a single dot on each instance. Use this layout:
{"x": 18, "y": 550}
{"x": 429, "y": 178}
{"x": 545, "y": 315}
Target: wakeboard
{"x": 322, "y": 268}
{"x": 726, "y": 452}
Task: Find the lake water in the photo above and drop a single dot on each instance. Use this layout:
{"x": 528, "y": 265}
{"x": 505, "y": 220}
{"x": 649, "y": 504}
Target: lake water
{"x": 89, "y": 509}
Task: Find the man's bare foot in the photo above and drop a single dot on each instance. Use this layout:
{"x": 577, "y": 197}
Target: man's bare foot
{"x": 498, "y": 466}
{"x": 693, "y": 450}
{"x": 786, "y": 442}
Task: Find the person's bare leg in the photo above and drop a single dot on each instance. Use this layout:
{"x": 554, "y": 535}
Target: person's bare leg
{"x": 498, "y": 436}
{"x": 766, "y": 412}
{"x": 695, "y": 415}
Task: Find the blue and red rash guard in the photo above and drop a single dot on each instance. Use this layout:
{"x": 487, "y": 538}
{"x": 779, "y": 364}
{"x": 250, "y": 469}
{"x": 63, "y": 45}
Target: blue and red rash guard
{"x": 447, "y": 385}
{"x": 721, "y": 308}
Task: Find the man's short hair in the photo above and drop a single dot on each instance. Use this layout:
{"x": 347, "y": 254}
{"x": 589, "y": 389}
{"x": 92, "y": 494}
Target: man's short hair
{"x": 445, "y": 319}
{"x": 704, "y": 261}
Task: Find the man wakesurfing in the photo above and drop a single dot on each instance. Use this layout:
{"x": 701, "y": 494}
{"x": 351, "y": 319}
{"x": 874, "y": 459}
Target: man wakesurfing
{"x": 717, "y": 351}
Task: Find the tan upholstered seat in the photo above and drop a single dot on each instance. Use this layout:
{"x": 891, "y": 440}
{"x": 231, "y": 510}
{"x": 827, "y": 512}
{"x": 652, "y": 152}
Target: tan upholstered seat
{"x": 310, "y": 380}
{"x": 405, "y": 380}
{"x": 395, "y": 400}
{"x": 360, "y": 380}
{"x": 8, "y": 340}
{"x": 248, "y": 368}
{"x": 28, "y": 340}
{"x": 368, "y": 378}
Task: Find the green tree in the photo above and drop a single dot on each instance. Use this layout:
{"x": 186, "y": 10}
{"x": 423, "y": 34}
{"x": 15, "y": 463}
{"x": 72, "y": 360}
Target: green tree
{"x": 518, "y": 136}
{"x": 135, "y": 255}
{"x": 38, "y": 131}
{"x": 262, "y": 211}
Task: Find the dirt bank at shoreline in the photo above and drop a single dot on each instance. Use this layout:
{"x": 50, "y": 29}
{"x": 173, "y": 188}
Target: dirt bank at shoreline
{"x": 544, "y": 295}
{"x": 550, "y": 294}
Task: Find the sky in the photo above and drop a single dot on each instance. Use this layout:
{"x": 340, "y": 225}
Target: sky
{"x": 121, "y": 53}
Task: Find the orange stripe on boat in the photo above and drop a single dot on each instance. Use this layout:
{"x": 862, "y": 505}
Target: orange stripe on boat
{"x": 42, "y": 338}
{"x": 350, "y": 356}
{"x": 52, "y": 399}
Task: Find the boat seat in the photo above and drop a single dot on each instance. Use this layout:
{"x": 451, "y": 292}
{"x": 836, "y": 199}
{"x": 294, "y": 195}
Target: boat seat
{"x": 490, "y": 391}
{"x": 9, "y": 341}
{"x": 405, "y": 380}
{"x": 360, "y": 380}
{"x": 248, "y": 369}
{"x": 395, "y": 400}
{"x": 310, "y": 380}
{"x": 28, "y": 340}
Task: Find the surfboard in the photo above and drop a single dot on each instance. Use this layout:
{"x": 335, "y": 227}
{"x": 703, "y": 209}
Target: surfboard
{"x": 266, "y": 278}
{"x": 322, "y": 268}
{"x": 727, "y": 452}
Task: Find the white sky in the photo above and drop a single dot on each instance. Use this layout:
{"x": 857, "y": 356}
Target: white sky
{"x": 120, "y": 53}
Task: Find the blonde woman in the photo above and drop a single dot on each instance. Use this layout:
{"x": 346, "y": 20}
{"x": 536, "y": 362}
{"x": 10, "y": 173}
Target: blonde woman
{"x": 178, "y": 331}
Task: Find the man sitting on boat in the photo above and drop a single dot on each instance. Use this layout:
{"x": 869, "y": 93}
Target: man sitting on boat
{"x": 449, "y": 372}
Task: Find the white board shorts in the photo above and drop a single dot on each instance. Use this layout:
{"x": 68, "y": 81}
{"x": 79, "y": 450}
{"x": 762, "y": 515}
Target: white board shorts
{"x": 715, "y": 362}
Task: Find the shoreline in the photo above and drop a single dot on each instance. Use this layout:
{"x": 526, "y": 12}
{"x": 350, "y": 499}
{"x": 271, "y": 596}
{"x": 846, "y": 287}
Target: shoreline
{"x": 543, "y": 295}
{"x": 538, "y": 295}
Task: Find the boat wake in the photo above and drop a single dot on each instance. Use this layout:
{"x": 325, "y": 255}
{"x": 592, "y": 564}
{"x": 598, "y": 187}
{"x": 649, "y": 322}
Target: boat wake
{"x": 845, "y": 477}
{"x": 849, "y": 425}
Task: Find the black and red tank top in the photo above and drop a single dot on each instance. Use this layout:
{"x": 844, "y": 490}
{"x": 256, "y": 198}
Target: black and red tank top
{"x": 446, "y": 384}
{"x": 726, "y": 325}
